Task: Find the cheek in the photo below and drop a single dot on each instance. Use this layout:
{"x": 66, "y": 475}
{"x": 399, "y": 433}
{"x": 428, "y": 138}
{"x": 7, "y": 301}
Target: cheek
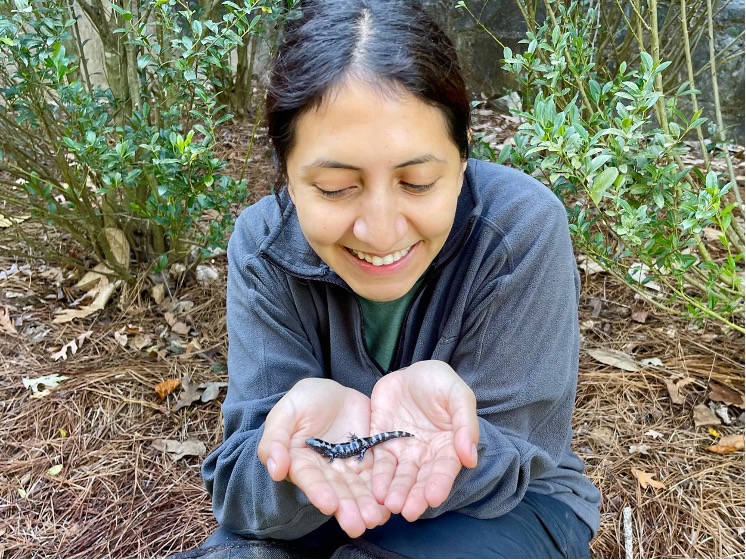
{"x": 320, "y": 227}
{"x": 437, "y": 221}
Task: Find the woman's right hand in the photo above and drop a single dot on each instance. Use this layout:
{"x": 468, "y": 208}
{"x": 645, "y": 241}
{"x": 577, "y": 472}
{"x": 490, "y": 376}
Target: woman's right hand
{"x": 324, "y": 409}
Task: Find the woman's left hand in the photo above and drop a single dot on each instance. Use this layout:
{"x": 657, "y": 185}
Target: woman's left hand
{"x": 431, "y": 401}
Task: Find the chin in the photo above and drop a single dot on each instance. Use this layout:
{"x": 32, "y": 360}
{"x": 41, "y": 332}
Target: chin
{"x": 388, "y": 294}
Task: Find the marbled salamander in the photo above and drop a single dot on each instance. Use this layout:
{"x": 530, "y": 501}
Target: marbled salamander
{"x": 355, "y": 446}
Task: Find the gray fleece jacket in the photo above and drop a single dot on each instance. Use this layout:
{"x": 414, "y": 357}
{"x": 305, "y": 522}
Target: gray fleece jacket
{"x": 499, "y": 305}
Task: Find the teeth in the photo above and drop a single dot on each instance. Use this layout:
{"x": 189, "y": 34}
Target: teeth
{"x": 375, "y": 260}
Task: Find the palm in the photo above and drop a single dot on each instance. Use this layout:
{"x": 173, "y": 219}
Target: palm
{"x": 326, "y": 410}
{"x": 430, "y": 401}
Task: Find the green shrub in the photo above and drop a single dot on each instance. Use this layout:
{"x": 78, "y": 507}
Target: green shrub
{"x": 137, "y": 156}
{"x": 593, "y": 135}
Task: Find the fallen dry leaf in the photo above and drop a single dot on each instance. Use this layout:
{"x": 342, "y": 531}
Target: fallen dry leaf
{"x": 703, "y": 416}
{"x": 141, "y": 341}
{"x": 728, "y": 444}
{"x": 211, "y": 390}
{"x": 94, "y": 278}
{"x": 165, "y": 388}
{"x": 724, "y": 394}
{"x": 102, "y": 298}
{"x": 643, "y": 449}
{"x": 121, "y": 338}
{"x": 7, "y": 221}
{"x": 603, "y": 435}
{"x": 653, "y": 434}
{"x": 180, "y": 328}
{"x": 206, "y": 274}
{"x": 639, "y": 316}
{"x": 158, "y": 293}
{"x": 674, "y": 388}
{"x": 589, "y": 265}
{"x": 714, "y": 433}
{"x": 722, "y": 412}
{"x": 55, "y": 470}
{"x": 73, "y": 346}
{"x": 614, "y": 358}
{"x": 120, "y": 247}
{"x": 639, "y": 273}
{"x": 178, "y": 449}
{"x": 655, "y": 362}
{"x": 646, "y": 479}
{"x": 49, "y": 382}
{"x": 6, "y": 324}
{"x": 189, "y": 393}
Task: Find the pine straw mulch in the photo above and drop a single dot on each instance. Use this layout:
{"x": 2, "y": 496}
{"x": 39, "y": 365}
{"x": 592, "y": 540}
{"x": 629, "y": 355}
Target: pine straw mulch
{"x": 117, "y": 495}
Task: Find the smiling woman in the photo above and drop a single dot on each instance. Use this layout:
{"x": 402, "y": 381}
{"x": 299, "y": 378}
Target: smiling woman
{"x": 397, "y": 288}
{"x": 377, "y": 198}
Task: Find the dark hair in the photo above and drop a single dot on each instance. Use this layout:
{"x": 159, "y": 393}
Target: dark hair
{"x": 390, "y": 44}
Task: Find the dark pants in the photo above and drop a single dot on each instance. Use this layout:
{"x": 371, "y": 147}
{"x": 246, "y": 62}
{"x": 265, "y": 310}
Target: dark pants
{"x": 539, "y": 527}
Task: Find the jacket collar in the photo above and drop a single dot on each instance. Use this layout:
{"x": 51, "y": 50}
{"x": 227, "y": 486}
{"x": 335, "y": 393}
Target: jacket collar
{"x": 287, "y": 248}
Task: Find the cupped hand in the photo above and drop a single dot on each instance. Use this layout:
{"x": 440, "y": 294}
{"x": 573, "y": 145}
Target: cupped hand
{"x": 429, "y": 400}
{"x": 324, "y": 409}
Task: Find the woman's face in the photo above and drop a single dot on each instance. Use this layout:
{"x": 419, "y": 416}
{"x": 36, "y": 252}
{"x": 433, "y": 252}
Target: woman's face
{"x": 375, "y": 180}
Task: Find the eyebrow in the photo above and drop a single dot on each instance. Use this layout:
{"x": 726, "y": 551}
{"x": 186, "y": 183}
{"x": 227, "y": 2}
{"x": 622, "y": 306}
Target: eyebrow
{"x": 333, "y": 164}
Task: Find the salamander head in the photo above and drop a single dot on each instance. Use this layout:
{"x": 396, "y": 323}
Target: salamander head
{"x": 320, "y": 446}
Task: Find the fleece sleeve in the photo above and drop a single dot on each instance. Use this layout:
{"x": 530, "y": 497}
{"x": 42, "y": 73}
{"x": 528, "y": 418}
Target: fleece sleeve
{"x": 518, "y": 351}
{"x": 268, "y": 352}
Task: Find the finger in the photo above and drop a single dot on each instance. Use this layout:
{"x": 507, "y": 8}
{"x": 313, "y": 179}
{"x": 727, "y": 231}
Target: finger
{"x": 434, "y": 483}
{"x": 466, "y": 447}
{"x": 384, "y": 467}
{"x": 401, "y": 485}
{"x": 347, "y": 513}
{"x": 274, "y": 450}
{"x": 438, "y": 479}
{"x": 314, "y": 483}
{"x": 278, "y": 428}
{"x": 278, "y": 461}
{"x": 463, "y": 410}
{"x": 349, "y": 519}
{"x": 372, "y": 513}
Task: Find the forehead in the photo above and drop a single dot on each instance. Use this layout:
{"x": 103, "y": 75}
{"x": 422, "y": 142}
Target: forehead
{"x": 359, "y": 116}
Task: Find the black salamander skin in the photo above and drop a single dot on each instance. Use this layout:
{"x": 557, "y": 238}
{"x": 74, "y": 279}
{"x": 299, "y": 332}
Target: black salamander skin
{"x": 355, "y": 445}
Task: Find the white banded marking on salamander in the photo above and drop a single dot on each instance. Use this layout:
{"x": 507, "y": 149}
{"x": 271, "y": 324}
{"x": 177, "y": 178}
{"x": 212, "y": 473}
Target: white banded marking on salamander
{"x": 355, "y": 446}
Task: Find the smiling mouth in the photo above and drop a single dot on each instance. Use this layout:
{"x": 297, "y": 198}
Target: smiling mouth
{"x": 375, "y": 260}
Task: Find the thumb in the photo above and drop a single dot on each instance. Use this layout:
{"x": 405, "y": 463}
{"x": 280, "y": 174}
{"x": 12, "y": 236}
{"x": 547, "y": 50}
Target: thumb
{"x": 465, "y": 426}
{"x": 274, "y": 447}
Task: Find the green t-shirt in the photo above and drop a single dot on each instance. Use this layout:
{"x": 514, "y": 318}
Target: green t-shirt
{"x": 382, "y": 321}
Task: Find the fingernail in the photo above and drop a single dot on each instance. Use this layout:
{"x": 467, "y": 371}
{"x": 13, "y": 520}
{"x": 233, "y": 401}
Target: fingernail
{"x": 271, "y": 467}
{"x": 474, "y": 453}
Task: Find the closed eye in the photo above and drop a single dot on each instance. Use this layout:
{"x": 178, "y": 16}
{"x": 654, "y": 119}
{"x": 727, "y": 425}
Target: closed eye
{"x": 338, "y": 193}
{"x": 417, "y": 188}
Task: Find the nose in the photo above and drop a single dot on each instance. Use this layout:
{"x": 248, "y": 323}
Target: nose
{"x": 380, "y": 223}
